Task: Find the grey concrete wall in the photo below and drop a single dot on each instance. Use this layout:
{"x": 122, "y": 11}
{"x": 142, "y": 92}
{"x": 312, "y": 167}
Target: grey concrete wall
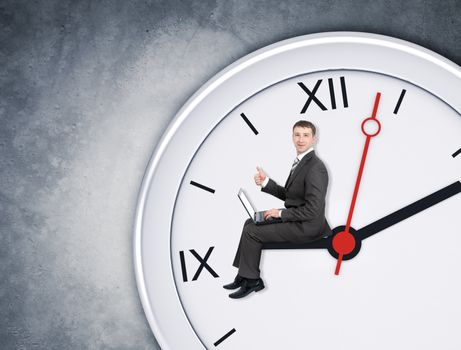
{"x": 87, "y": 88}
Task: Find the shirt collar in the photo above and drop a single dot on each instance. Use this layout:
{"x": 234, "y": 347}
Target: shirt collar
{"x": 301, "y": 156}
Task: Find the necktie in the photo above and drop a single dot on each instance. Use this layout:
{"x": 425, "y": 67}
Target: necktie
{"x": 295, "y": 163}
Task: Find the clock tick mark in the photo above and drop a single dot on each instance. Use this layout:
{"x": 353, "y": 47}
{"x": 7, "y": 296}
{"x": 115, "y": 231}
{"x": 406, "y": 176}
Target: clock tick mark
{"x": 224, "y": 337}
{"x": 203, "y": 187}
{"x": 456, "y": 153}
{"x": 249, "y": 123}
{"x": 397, "y": 106}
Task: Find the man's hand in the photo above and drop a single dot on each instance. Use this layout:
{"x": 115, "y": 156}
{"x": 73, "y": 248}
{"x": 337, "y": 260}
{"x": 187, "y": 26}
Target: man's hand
{"x": 272, "y": 213}
{"x": 260, "y": 176}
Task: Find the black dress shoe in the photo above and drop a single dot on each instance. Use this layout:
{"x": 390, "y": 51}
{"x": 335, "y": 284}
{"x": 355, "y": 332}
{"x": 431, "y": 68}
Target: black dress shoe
{"x": 247, "y": 287}
{"x": 238, "y": 280}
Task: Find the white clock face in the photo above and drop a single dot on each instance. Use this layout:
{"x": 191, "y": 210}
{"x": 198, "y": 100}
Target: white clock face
{"x": 400, "y": 290}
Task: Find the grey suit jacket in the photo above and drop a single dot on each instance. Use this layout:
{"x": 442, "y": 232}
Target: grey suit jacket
{"x": 304, "y": 195}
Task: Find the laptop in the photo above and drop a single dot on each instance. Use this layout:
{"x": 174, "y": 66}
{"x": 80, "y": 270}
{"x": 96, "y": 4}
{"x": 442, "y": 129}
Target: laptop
{"x": 257, "y": 217}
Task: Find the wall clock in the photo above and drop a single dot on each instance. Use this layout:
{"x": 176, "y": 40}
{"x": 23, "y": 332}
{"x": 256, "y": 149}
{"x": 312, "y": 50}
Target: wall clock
{"x": 398, "y": 287}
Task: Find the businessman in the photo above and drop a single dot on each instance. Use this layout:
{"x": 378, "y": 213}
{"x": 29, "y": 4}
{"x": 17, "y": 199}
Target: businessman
{"x": 303, "y": 220}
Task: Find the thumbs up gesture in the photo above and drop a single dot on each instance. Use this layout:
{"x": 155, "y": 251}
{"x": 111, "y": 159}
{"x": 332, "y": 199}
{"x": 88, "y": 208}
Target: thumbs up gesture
{"x": 260, "y": 176}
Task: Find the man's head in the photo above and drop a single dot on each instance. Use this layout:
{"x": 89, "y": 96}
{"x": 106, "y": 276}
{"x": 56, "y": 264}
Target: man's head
{"x": 303, "y": 136}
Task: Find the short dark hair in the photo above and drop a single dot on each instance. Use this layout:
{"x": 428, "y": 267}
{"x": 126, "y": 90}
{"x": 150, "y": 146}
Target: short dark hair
{"x": 305, "y": 124}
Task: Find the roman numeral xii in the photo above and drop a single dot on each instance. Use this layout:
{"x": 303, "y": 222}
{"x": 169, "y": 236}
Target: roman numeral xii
{"x": 313, "y": 98}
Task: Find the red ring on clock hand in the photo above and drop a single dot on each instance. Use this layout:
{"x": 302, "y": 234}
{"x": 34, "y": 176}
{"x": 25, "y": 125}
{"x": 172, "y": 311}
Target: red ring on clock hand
{"x": 344, "y": 242}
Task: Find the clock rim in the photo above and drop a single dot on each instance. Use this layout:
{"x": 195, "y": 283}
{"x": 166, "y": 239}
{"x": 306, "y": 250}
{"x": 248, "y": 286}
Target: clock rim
{"x": 321, "y": 41}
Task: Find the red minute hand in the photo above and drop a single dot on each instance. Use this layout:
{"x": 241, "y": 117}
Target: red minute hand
{"x": 344, "y": 241}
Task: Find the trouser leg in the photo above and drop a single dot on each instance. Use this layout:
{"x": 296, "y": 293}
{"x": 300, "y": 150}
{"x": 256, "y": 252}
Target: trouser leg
{"x": 254, "y": 236}
{"x": 237, "y": 254}
{"x": 250, "y": 255}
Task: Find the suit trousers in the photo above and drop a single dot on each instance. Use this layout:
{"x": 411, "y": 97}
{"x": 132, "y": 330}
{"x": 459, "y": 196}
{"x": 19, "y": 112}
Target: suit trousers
{"x": 253, "y": 237}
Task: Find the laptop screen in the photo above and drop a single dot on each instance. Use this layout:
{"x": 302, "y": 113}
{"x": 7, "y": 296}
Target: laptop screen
{"x": 246, "y": 203}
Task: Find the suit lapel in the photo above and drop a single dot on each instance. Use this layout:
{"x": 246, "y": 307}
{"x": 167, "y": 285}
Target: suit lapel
{"x": 301, "y": 164}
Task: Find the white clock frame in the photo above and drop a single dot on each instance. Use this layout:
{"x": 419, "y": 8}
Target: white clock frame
{"x": 208, "y": 106}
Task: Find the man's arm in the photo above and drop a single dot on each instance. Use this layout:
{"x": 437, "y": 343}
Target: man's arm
{"x": 315, "y": 186}
{"x": 268, "y": 185}
{"x": 274, "y": 189}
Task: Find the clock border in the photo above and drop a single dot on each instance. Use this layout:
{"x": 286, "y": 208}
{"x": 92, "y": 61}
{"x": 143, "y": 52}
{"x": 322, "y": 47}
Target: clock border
{"x": 211, "y": 103}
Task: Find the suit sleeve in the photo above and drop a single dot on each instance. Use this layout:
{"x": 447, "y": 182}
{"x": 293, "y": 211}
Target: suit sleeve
{"x": 315, "y": 188}
{"x": 274, "y": 189}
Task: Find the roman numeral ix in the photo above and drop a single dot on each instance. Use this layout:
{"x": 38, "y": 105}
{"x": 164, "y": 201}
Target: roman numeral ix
{"x": 203, "y": 264}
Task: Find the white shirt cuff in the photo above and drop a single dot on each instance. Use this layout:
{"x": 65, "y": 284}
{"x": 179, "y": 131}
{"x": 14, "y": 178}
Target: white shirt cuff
{"x": 266, "y": 180}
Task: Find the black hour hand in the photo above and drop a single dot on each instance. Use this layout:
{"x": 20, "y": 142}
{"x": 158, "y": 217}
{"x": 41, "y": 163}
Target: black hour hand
{"x": 409, "y": 210}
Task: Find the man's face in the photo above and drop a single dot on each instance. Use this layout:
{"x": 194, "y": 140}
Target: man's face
{"x": 303, "y": 139}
